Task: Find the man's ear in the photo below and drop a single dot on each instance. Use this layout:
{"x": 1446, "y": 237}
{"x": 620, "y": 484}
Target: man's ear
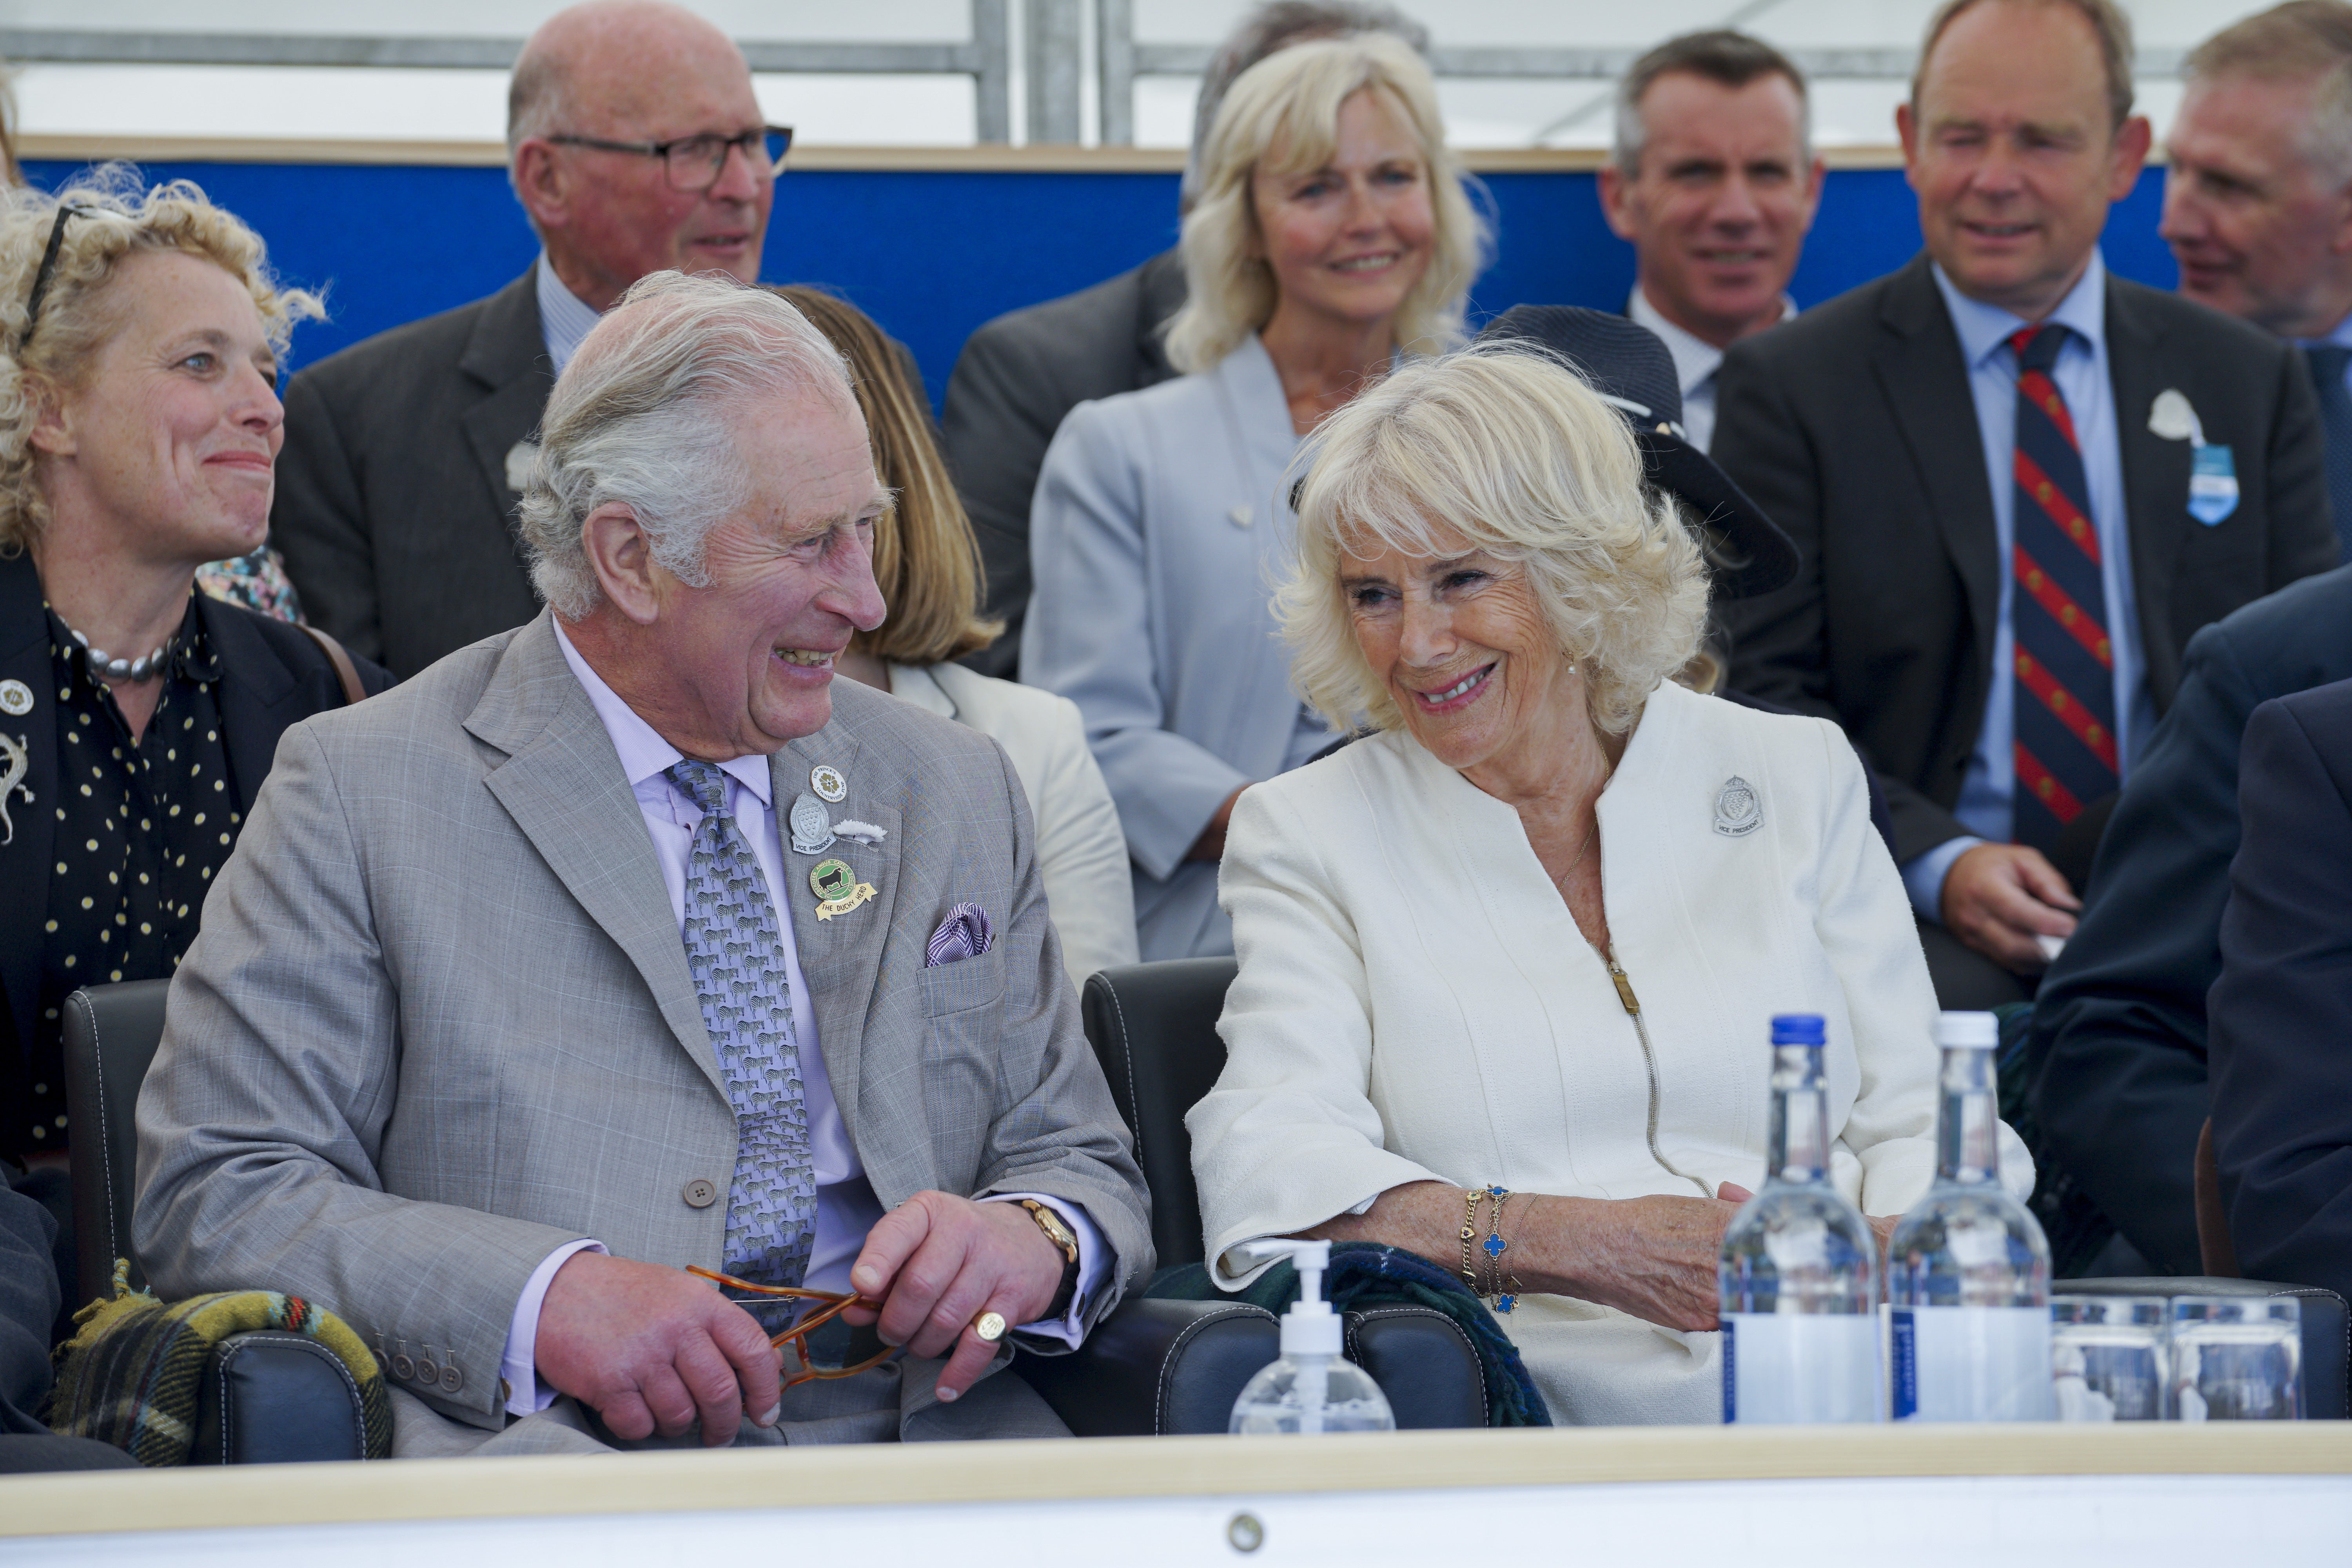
{"x": 538, "y": 183}
{"x": 2133, "y": 139}
{"x": 1906, "y": 132}
{"x": 1617, "y": 201}
{"x": 622, "y": 558}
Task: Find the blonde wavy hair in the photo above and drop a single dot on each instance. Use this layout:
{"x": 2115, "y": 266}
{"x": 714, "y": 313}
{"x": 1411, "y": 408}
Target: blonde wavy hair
{"x": 926, "y": 556}
{"x": 1506, "y": 447}
{"x": 1283, "y": 116}
{"x": 119, "y": 218}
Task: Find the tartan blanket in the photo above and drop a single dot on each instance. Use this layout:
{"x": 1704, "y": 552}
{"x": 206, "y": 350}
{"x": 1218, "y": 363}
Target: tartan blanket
{"x": 1366, "y": 1274}
{"x": 132, "y": 1371}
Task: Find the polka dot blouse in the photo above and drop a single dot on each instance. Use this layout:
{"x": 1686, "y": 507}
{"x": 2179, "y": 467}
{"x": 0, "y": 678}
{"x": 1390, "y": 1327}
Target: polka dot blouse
{"x": 142, "y": 829}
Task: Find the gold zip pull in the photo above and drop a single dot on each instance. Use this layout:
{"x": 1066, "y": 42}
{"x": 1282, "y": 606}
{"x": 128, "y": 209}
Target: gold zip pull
{"x": 1632, "y": 1002}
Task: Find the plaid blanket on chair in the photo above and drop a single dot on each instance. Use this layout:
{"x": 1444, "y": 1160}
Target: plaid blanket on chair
{"x": 133, "y": 1371}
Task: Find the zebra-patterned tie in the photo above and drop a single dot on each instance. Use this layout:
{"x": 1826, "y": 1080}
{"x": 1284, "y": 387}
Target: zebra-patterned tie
{"x": 735, "y": 950}
{"x": 2066, "y": 708}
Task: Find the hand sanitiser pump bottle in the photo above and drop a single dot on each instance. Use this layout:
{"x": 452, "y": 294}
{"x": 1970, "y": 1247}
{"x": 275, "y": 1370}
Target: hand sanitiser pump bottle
{"x": 1968, "y": 1273}
{"x": 1312, "y": 1389}
{"x": 1798, "y": 1276}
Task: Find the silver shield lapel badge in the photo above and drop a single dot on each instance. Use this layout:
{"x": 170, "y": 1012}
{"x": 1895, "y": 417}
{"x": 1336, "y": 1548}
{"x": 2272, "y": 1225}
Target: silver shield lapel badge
{"x": 1738, "y": 812}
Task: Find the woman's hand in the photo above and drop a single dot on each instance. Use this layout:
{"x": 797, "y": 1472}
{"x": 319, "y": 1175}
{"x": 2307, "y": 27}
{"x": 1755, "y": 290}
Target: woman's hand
{"x": 1653, "y": 1257}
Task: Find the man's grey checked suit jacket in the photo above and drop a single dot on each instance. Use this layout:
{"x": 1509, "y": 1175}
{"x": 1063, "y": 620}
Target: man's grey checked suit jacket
{"x": 440, "y": 1021}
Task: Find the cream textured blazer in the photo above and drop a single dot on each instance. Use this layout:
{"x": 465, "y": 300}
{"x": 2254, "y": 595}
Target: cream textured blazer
{"x": 1415, "y": 1003}
{"x": 1081, "y": 853}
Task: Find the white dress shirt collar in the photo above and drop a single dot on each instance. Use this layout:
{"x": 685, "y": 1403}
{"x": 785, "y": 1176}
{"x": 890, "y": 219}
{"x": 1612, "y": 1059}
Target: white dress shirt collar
{"x": 643, "y": 754}
{"x": 564, "y": 318}
{"x": 1695, "y": 358}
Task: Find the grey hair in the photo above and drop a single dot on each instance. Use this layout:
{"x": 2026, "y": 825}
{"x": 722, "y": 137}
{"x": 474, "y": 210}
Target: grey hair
{"x": 1277, "y": 25}
{"x": 1729, "y": 58}
{"x": 1513, "y": 452}
{"x": 539, "y": 97}
{"x": 641, "y": 418}
{"x": 2303, "y": 39}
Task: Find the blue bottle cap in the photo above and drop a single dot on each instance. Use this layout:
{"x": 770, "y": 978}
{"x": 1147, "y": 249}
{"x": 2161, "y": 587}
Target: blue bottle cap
{"x": 1798, "y": 1029}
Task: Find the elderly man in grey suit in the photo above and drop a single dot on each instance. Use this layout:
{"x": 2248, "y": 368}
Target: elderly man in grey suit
{"x": 635, "y": 144}
{"x": 627, "y": 940}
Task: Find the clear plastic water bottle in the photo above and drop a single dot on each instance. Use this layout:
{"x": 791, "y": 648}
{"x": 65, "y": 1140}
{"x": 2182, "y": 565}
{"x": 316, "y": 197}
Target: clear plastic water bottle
{"x": 1312, "y": 1388}
{"x": 1798, "y": 1279}
{"x": 1968, "y": 1273}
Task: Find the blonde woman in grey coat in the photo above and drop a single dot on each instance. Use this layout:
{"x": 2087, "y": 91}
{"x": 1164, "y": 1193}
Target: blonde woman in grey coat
{"x": 1333, "y": 232}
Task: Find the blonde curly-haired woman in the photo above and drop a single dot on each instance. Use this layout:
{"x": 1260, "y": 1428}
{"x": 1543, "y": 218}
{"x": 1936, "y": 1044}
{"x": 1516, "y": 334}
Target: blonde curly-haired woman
{"x": 141, "y": 333}
{"x": 1530, "y": 935}
{"x": 1332, "y": 234}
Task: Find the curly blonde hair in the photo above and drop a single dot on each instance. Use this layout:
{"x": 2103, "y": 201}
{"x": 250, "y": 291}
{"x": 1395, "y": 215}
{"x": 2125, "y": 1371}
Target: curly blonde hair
{"x": 118, "y": 216}
{"x": 1286, "y": 108}
{"x": 1509, "y": 449}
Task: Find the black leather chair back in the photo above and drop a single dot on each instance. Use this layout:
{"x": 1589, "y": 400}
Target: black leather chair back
{"x": 1154, "y": 1029}
{"x": 111, "y": 1033}
{"x": 2327, "y": 1328}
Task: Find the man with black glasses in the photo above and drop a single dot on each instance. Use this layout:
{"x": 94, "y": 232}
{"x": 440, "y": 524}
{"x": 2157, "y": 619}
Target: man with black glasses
{"x": 635, "y": 144}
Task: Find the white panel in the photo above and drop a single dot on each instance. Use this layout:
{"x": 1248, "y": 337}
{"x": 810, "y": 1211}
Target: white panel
{"x": 805, "y": 21}
{"x": 328, "y": 103}
{"x": 2152, "y": 1522}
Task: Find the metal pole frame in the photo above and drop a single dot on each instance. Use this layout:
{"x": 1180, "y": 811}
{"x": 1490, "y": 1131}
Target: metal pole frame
{"x": 984, "y": 57}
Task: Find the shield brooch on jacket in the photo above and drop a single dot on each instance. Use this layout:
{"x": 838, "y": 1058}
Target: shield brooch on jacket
{"x": 1738, "y": 812}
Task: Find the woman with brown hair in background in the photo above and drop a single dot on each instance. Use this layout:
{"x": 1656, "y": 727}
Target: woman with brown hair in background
{"x": 926, "y": 563}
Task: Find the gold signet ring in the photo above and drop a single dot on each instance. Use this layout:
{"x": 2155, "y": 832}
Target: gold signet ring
{"x": 989, "y": 1327}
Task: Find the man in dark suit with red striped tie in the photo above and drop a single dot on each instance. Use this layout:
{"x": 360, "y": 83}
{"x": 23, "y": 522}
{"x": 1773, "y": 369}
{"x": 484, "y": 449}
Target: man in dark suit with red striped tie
{"x": 2019, "y": 486}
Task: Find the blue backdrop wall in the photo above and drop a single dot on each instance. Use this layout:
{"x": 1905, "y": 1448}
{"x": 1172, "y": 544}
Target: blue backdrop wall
{"x": 931, "y": 254}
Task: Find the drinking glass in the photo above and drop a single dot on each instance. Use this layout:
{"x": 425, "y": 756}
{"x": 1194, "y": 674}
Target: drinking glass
{"x": 2110, "y": 1358}
{"x": 2237, "y": 1358}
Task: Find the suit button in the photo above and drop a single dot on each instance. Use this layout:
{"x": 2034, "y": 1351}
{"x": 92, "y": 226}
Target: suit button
{"x": 452, "y": 1380}
{"x": 403, "y": 1368}
{"x": 699, "y": 1194}
{"x": 427, "y": 1373}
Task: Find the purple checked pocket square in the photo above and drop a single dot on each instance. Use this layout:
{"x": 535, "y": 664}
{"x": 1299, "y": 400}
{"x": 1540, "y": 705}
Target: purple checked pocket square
{"x": 965, "y": 933}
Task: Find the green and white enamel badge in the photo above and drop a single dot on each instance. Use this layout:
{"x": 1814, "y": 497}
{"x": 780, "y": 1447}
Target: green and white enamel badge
{"x": 837, "y": 889}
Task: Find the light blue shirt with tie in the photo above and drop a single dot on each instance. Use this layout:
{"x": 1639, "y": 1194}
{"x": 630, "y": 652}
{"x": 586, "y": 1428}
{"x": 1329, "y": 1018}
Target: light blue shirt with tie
{"x": 2083, "y": 377}
{"x": 564, "y": 318}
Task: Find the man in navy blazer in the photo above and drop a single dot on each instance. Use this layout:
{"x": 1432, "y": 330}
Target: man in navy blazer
{"x": 405, "y": 455}
{"x": 2283, "y": 1007}
{"x": 2117, "y": 1062}
{"x": 1943, "y": 600}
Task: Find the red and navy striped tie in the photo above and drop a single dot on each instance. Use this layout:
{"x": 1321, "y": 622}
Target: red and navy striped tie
{"x": 2065, "y": 710}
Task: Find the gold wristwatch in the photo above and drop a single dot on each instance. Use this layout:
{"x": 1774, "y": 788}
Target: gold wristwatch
{"x": 1059, "y": 1235}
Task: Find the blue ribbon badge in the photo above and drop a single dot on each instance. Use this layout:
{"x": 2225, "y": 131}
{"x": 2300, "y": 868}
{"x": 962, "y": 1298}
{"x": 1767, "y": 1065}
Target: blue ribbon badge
{"x": 2212, "y": 484}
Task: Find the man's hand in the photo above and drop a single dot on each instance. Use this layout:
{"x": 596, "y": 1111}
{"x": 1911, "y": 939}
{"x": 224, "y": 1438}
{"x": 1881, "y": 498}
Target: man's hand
{"x": 1999, "y": 897}
{"x": 936, "y": 1262}
{"x": 652, "y": 1349}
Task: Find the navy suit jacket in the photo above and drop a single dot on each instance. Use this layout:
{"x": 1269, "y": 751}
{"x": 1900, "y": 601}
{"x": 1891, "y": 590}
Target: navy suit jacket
{"x": 1853, "y": 428}
{"x": 2117, "y": 1063}
{"x": 2283, "y": 1009}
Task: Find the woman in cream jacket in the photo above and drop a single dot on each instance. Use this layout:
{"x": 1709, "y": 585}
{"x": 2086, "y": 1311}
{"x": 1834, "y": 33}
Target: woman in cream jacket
{"x": 927, "y": 564}
{"x": 1530, "y": 935}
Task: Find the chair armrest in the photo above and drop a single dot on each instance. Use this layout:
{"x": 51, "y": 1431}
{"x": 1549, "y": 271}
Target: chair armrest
{"x": 274, "y": 1398}
{"x": 2327, "y": 1327}
{"x": 1156, "y": 1368}
{"x": 1423, "y": 1362}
